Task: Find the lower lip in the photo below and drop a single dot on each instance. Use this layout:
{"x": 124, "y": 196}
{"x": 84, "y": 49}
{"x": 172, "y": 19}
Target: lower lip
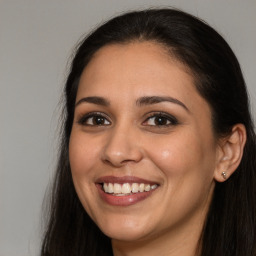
{"x": 123, "y": 200}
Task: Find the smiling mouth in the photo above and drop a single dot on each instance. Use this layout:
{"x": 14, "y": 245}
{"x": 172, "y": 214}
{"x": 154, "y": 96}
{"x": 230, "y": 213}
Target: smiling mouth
{"x": 126, "y": 189}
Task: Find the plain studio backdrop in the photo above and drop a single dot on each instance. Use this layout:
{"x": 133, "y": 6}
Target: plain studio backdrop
{"x": 36, "y": 41}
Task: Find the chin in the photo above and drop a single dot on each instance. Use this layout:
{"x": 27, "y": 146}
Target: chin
{"x": 126, "y": 230}
{"x": 125, "y": 235}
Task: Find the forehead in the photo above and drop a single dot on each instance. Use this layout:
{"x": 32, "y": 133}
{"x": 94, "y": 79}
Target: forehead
{"x": 146, "y": 64}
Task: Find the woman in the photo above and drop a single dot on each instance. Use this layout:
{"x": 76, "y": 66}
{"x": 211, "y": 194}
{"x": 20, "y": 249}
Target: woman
{"x": 158, "y": 147}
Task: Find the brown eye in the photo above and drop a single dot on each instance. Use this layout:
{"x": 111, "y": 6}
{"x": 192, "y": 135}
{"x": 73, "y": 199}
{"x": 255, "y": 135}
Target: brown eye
{"x": 160, "y": 120}
{"x": 98, "y": 120}
{"x": 94, "y": 120}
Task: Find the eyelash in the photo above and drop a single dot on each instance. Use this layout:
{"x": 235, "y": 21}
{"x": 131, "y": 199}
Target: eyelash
{"x": 168, "y": 119}
{"x": 94, "y": 115}
{"x": 171, "y": 120}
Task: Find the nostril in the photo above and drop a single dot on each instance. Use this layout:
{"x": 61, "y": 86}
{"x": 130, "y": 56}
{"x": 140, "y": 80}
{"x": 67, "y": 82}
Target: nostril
{"x": 119, "y": 163}
{"x": 121, "y": 150}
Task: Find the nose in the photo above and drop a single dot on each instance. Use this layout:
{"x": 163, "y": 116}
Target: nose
{"x": 122, "y": 146}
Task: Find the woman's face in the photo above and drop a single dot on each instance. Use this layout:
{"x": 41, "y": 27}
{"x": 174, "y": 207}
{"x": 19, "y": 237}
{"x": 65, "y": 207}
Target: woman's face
{"x": 142, "y": 150}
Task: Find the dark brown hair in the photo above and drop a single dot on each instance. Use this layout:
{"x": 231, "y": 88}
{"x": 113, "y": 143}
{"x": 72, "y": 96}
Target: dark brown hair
{"x": 230, "y": 225}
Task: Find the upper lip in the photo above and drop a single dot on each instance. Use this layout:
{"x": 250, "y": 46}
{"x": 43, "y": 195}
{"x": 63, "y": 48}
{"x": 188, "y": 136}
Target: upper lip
{"x": 124, "y": 179}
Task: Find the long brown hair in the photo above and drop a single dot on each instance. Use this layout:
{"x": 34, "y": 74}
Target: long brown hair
{"x": 230, "y": 225}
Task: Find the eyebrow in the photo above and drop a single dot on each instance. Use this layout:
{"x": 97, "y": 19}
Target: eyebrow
{"x": 149, "y": 100}
{"x": 146, "y": 100}
{"x": 95, "y": 100}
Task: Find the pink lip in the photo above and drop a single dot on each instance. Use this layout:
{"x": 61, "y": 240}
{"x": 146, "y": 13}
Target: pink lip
{"x": 123, "y": 200}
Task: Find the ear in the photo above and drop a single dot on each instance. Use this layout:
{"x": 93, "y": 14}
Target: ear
{"x": 230, "y": 153}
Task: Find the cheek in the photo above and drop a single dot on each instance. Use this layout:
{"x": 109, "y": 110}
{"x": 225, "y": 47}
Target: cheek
{"x": 187, "y": 164}
{"x": 81, "y": 155}
{"x": 187, "y": 153}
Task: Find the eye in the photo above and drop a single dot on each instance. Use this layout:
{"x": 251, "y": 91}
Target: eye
{"x": 160, "y": 119}
{"x": 94, "y": 119}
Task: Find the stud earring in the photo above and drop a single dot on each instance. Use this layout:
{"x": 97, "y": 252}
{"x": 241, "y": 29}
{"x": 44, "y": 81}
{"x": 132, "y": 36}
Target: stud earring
{"x": 224, "y": 175}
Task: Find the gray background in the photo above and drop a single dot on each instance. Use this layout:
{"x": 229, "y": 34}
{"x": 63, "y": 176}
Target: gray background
{"x": 36, "y": 40}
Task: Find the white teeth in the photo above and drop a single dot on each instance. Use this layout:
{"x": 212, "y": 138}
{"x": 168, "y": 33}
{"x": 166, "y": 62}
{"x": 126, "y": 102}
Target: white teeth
{"x": 126, "y": 188}
{"x": 141, "y": 187}
{"x": 117, "y": 188}
{"x": 147, "y": 187}
{"x": 135, "y": 187}
{"x": 105, "y": 187}
{"x": 110, "y": 188}
{"x": 152, "y": 187}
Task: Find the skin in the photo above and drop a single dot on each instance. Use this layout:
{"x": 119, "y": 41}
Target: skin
{"x": 183, "y": 157}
